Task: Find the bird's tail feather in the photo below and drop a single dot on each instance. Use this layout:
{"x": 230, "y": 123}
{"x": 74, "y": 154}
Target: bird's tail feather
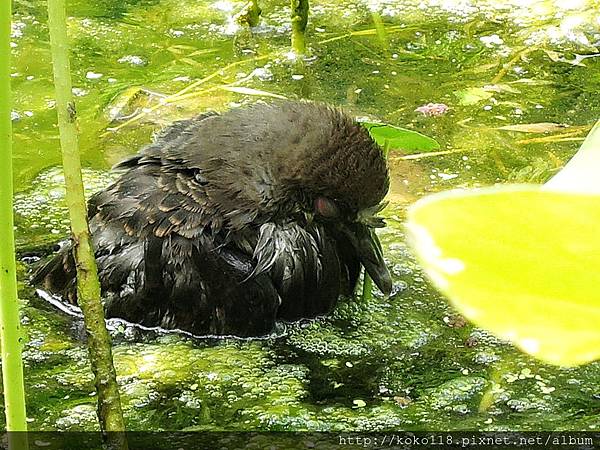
{"x": 58, "y": 273}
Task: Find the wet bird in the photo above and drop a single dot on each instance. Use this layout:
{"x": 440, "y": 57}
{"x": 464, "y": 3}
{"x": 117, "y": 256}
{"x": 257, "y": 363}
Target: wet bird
{"x": 229, "y": 222}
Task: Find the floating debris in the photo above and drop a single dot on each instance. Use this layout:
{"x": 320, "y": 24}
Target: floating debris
{"x": 90, "y": 75}
{"x": 134, "y": 60}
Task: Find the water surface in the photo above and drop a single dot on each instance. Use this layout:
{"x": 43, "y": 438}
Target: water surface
{"x": 404, "y": 362}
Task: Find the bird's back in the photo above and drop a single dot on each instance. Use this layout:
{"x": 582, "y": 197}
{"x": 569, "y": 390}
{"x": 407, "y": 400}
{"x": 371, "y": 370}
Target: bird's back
{"x": 203, "y": 232}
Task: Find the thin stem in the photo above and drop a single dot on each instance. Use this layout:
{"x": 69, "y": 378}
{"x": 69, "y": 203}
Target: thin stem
{"x": 380, "y": 27}
{"x": 10, "y": 323}
{"x": 386, "y": 149}
{"x": 253, "y": 14}
{"x": 367, "y": 292}
{"x": 88, "y": 287}
{"x": 299, "y": 22}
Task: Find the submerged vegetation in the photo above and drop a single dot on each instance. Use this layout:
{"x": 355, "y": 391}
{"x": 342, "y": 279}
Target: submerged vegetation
{"x": 508, "y": 94}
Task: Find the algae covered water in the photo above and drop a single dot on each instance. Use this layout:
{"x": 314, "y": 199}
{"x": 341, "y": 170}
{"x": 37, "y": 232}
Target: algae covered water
{"x": 516, "y": 91}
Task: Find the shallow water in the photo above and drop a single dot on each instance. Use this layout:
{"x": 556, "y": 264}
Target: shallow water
{"x": 407, "y": 362}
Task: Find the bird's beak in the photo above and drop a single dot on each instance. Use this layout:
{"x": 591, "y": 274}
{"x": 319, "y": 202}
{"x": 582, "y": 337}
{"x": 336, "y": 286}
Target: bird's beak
{"x": 368, "y": 247}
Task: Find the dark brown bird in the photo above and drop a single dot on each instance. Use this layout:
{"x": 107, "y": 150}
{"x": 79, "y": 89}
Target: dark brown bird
{"x": 228, "y": 222}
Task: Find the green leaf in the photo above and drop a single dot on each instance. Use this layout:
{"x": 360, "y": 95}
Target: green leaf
{"x": 520, "y": 261}
{"x": 400, "y": 138}
{"x": 540, "y": 127}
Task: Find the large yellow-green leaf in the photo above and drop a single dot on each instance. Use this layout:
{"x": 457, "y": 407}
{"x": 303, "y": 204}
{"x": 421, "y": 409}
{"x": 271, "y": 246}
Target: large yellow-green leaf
{"x": 582, "y": 172}
{"x": 520, "y": 261}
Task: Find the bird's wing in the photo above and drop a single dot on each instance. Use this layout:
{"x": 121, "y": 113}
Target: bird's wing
{"x": 153, "y": 199}
{"x": 302, "y": 262}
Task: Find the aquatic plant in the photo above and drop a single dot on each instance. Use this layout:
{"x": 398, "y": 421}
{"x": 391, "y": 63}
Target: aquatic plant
{"x": 88, "y": 286}
{"x": 251, "y": 14}
{"x": 522, "y": 260}
{"x": 398, "y": 355}
{"x": 10, "y": 323}
{"x": 299, "y": 22}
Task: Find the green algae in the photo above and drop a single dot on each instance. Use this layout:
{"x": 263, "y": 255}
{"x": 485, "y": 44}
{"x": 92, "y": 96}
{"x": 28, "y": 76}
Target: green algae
{"x": 404, "y": 363}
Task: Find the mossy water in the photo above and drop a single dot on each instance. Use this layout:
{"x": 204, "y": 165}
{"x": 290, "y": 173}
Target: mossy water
{"x": 404, "y": 362}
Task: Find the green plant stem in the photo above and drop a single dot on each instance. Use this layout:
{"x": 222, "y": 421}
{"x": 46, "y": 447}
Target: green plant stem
{"x": 299, "y": 22}
{"x": 380, "y": 28}
{"x": 367, "y": 292}
{"x": 250, "y": 14}
{"x": 10, "y": 323}
{"x": 88, "y": 287}
{"x": 386, "y": 149}
{"x": 254, "y": 12}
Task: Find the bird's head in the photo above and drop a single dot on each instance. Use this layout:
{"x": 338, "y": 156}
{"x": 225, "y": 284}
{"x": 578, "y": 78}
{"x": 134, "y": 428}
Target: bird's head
{"x": 338, "y": 176}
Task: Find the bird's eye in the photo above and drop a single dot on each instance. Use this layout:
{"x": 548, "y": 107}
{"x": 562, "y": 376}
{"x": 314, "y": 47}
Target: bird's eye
{"x": 326, "y": 208}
